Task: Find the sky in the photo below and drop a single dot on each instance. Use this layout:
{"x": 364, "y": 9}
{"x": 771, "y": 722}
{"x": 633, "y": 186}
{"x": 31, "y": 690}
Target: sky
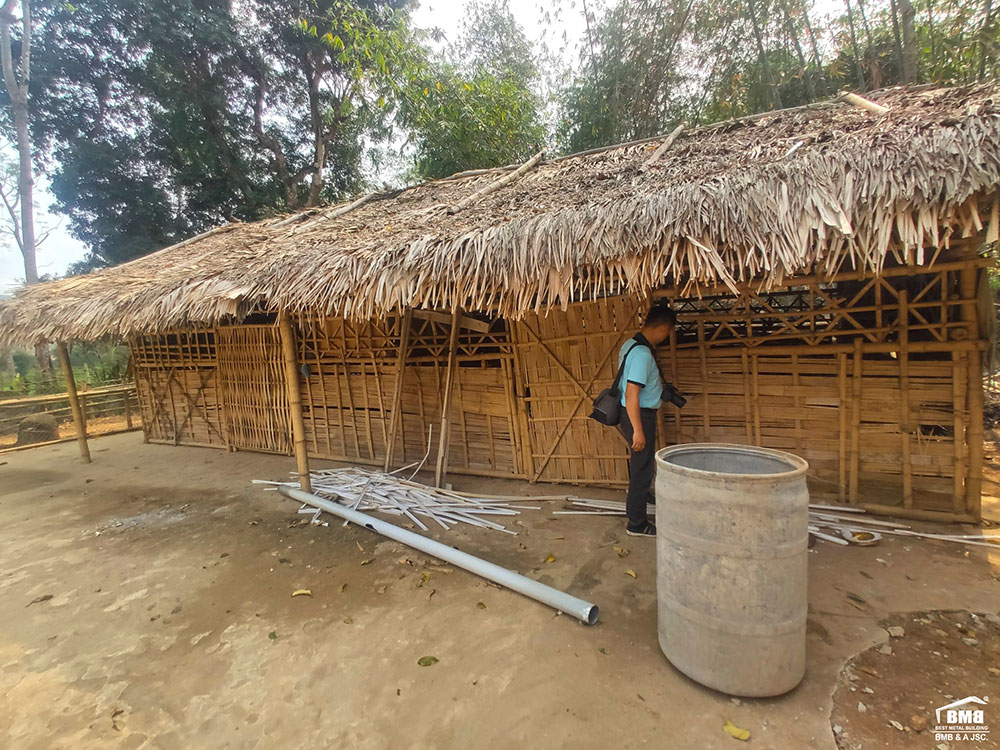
{"x": 61, "y": 249}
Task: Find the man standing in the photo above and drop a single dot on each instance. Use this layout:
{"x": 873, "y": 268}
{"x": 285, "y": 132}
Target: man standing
{"x": 642, "y": 391}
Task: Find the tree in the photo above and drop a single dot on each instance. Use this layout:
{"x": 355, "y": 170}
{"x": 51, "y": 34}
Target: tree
{"x": 16, "y": 78}
{"x": 477, "y": 106}
{"x": 162, "y": 118}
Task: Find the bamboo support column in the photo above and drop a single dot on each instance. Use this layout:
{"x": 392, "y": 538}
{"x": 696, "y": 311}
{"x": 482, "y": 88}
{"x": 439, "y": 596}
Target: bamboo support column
{"x": 974, "y": 485}
{"x": 842, "y": 414}
{"x": 397, "y": 393}
{"x": 288, "y": 353}
{"x": 128, "y": 410}
{"x": 959, "y": 376}
{"x": 904, "y": 397}
{"x": 855, "y": 455}
{"x": 74, "y": 402}
{"x": 441, "y": 468}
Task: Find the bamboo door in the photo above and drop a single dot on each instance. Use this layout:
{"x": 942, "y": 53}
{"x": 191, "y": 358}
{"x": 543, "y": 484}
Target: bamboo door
{"x": 253, "y": 387}
{"x": 564, "y": 359}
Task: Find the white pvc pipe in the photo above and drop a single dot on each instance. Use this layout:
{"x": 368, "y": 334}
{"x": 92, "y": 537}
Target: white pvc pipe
{"x": 584, "y": 611}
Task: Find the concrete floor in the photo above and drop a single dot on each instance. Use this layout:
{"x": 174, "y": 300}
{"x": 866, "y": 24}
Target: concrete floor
{"x": 170, "y": 622}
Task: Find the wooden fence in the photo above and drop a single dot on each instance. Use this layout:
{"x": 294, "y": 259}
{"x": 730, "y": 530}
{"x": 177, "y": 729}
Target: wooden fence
{"x": 106, "y": 410}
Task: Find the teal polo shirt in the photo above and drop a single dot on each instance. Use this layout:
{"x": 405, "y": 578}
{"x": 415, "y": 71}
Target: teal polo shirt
{"x": 641, "y": 369}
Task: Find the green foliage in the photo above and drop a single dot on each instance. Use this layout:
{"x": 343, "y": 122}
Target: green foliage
{"x": 647, "y": 64}
{"x": 476, "y": 107}
{"x": 162, "y": 118}
{"x": 94, "y": 364}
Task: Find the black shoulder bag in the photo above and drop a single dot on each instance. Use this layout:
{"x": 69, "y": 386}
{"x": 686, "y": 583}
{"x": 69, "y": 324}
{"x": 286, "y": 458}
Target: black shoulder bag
{"x": 608, "y": 404}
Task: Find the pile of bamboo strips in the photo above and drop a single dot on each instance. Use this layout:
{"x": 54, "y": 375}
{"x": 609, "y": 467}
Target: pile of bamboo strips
{"x": 831, "y": 523}
{"x": 367, "y": 490}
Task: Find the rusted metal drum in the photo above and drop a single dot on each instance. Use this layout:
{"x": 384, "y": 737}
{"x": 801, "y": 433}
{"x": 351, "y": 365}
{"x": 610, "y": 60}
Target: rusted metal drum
{"x": 732, "y": 536}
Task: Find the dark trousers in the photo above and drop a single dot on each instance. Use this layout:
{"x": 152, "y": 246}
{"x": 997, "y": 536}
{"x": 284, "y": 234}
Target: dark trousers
{"x": 641, "y": 465}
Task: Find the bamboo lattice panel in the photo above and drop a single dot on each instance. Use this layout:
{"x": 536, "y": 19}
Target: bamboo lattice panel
{"x": 177, "y": 384}
{"x": 565, "y": 359}
{"x": 865, "y": 378}
{"x": 806, "y": 404}
{"x": 252, "y": 382}
{"x": 346, "y": 389}
{"x": 347, "y": 393}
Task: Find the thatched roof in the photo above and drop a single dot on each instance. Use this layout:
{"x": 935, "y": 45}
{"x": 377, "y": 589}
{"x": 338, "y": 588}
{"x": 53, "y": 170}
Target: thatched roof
{"x": 811, "y": 189}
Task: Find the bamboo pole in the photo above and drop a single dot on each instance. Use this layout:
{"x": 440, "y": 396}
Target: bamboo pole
{"x": 518, "y": 391}
{"x": 860, "y": 101}
{"x": 441, "y": 467}
{"x": 904, "y": 397}
{"x": 74, "y": 402}
{"x": 747, "y": 399}
{"x": 842, "y": 415}
{"x": 706, "y": 423}
{"x": 960, "y": 389}
{"x": 755, "y": 371}
{"x": 973, "y": 488}
{"x": 856, "y": 382}
{"x": 397, "y": 391}
{"x": 673, "y": 381}
{"x": 294, "y": 398}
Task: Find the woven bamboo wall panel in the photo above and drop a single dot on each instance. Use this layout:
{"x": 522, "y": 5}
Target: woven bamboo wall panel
{"x": 351, "y": 377}
{"x": 253, "y": 388}
{"x": 794, "y": 403}
{"x": 348, "y": 378}
{"x": 565, "y": 358}
{"x": 177, "y": 384}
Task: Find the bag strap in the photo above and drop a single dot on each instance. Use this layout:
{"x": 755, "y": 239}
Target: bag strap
{"x": 621, "y": 367}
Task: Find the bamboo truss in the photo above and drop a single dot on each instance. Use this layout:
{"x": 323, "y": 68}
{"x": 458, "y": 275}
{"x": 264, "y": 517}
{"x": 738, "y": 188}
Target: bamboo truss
{"x": 875, "y": 380}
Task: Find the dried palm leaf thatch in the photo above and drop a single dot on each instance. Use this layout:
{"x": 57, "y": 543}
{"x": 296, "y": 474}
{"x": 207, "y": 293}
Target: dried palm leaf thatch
{"x": 813, "y": 189}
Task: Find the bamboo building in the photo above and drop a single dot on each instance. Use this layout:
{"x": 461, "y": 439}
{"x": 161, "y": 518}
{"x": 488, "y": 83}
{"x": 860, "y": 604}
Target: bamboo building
{"x": 828, "y": 265}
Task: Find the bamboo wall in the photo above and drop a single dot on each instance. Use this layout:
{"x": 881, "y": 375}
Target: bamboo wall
{"x": 176, "y": 376}
{"x": 876, "y": 382}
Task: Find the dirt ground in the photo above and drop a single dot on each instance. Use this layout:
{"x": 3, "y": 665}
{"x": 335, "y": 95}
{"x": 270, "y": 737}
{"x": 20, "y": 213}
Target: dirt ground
{"x": 145, "y": 601}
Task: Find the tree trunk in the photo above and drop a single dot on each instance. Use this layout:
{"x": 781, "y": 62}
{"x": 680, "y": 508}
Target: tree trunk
{"x": 854, "y": 46}
{"x": 817, "y": 61}
{"x": 864, "y": 24}
{"x": 16, "y": 83}
{"x": 909, "y": 41}
{"x": 896, "y": 37}
{"x": 765, "y": 66}
{"x": 793, "y": 33}
{"x": 984, "y": 36}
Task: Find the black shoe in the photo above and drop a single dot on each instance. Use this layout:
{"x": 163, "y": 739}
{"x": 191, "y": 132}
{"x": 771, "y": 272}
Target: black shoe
{"x": 647, "y": 529}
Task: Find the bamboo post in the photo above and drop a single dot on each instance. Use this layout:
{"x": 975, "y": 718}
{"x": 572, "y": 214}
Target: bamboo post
{"x": 441, "y": 468}
{"x": 755, "y": 372}
{"x": 959, "y": 372}
{"x": 518, "y": 390}
{"x": 294, "y": 398}
{"x": 842, "y": 414}
{"x": 747, "y": 399}
{"x": 856, "y": 383}
{"x": 397, "y": 392}
{"x": 973, "y": 487}
{"x": 904, "y": 397}
{"x": 74, "y": 402}
{"x": 706, "y": 419}
{"x": 128, "y": 409}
